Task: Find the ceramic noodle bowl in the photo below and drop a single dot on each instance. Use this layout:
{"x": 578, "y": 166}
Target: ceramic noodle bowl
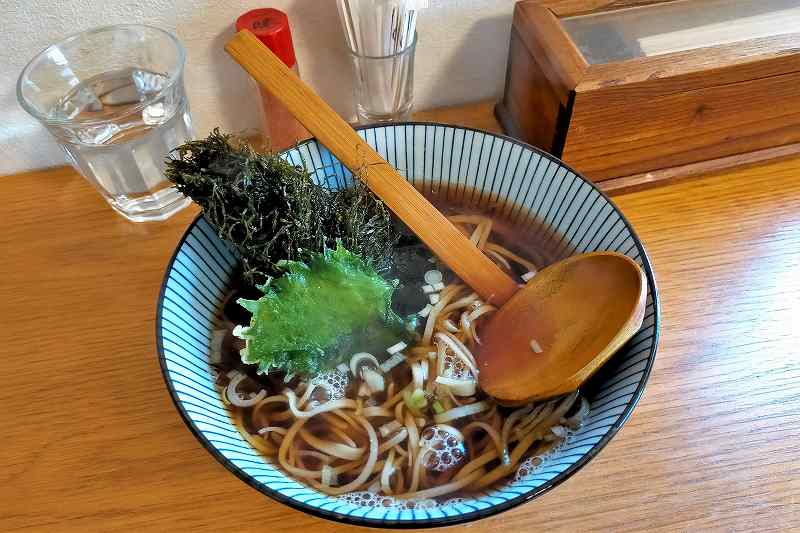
{"x": 531, "y": 190}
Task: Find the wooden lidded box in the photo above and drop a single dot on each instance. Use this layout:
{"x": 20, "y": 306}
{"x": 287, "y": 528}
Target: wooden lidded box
{"x": 638, "y": 90}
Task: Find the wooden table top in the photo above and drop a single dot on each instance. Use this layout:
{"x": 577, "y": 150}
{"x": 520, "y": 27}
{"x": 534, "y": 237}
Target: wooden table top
{"x": 92, "y": 442}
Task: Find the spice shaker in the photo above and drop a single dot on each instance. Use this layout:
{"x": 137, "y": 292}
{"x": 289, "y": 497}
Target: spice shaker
{"x": 279, "y": 128}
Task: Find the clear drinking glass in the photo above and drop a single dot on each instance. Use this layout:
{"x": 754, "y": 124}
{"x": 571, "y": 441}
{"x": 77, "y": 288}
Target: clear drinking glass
{"x": 114, "y": 99}
{"x": 384, "y": 86}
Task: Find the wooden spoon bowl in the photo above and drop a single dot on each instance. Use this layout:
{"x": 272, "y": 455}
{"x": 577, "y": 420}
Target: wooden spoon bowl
{"x": 559, "y": 329}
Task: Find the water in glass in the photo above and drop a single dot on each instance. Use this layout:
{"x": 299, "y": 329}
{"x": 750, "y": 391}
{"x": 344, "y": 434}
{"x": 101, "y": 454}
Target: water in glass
{"x": 120, "y": 148}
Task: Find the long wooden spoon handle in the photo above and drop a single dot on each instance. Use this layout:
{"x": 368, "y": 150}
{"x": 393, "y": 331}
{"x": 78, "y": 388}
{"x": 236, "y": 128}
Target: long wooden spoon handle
{"x": 430, "y": 225}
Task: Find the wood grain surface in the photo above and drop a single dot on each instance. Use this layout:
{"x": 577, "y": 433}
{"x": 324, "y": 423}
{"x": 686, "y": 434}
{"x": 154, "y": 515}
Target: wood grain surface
{"x": 530, "y": 106}
{"x": 646, "y": 114}
{"x": 658, "y": 178}
{"x": 682, "y": 128}
{"x": 639, "y": 79}
{"x": 544, "y": 67}
{"x": 91, "y": 441}
{"x": 552, "y": 48}
{"x": 568, "y": 8}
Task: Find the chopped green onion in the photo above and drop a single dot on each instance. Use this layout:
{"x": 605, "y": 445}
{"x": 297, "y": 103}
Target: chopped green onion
{"x": 416, "y": 400}
{"x": 437, "y": 407}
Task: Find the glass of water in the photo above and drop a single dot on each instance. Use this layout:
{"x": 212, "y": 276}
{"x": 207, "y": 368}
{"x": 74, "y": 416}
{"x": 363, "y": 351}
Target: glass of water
{"x": 114, "y": 99}
{"x": 384, "y": 85}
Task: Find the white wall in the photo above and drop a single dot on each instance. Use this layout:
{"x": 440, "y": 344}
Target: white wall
{"x": 461, "y": 57}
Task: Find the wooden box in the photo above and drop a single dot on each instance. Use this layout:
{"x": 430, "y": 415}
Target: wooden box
{"x": 636, "y": 91}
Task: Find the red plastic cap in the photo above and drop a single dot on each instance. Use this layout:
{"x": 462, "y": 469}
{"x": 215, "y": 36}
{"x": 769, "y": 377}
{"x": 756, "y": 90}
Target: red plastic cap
{"x": 271, "y": 26}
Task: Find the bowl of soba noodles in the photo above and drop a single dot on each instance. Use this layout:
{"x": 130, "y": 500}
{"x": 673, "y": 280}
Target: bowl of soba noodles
{"x": 395, "y": 431}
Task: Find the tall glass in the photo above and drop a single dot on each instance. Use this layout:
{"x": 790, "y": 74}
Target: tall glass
{"x": 114, "y": 99}
{"x": 384, "y": 86}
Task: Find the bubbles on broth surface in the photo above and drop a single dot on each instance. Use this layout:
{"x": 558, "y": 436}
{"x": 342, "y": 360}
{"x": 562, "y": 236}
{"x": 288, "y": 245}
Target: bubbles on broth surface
{"x": 446, "y": 449}
{"x": 455, "y": 368}
{"x": 373, "y": 499}
{"x": 527, "y": 467}
{"x": 330, "y": 385}
{"x": 533, "y": 463}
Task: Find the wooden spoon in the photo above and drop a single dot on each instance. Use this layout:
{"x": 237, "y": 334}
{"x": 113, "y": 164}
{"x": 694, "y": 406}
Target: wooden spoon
{"x": 579, "y": 311}
{"x": 561, "y": 327}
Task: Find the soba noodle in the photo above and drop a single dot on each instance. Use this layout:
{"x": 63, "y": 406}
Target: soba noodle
{"x": 416, "y": 425}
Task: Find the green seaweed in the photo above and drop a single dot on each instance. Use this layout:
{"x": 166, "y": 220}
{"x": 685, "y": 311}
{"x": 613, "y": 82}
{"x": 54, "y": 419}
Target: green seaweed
{"x": 273, "y": 211}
